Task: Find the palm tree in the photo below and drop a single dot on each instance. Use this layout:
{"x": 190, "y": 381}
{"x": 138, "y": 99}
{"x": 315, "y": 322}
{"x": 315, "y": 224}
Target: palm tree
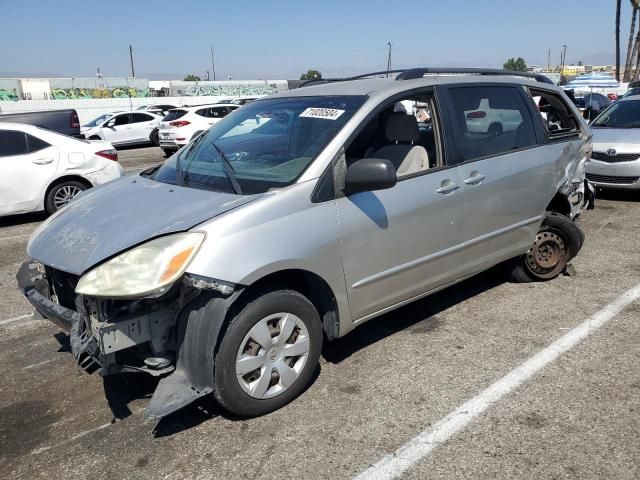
{"x": 618, "y": 5}
{"x": 635, "y": 4}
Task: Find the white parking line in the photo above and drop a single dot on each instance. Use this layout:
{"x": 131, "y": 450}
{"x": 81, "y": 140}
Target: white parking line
{"x": 15, "y": 319}
{"x": 16, "y": 236}
{"x": 75, "y": 437}
{"x": 39, "y": 364}
{"x": 421, "y": 445}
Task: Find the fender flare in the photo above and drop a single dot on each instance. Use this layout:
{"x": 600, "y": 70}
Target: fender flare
{"x": 198, "y": 329}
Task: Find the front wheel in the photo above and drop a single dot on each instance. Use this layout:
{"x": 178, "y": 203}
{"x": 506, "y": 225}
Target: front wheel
{"x": 557, "y": 242}
{"x": 62, "y": 193}
{"x": 268, "y": 353}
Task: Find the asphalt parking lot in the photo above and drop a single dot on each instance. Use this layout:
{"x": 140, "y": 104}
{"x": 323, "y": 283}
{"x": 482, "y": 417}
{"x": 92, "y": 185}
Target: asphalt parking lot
{"x": 376, "y": 389}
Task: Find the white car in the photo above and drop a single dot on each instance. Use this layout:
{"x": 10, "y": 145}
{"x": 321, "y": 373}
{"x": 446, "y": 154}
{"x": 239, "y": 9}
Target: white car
{"x": 183, "y": 124}
{"x": 43, "y": 170}
{"x": 124, "y": 128}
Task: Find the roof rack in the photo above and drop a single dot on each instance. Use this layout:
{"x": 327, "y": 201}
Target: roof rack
{"x": 419, "y": 72}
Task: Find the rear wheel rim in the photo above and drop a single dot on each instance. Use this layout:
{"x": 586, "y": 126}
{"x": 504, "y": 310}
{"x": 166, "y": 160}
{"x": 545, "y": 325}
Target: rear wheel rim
{"x": 547, "y": 257}
{"x": 65, "y": 194}
{"x": 272, "y": 355}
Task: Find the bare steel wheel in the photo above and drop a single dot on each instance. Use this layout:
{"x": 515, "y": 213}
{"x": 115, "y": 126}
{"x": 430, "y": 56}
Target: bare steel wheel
{"x": 556, "y": 243}
{"x": 268, "y": 352}
{"x": 272, "y": 355}
{"x": 548, "y": 255}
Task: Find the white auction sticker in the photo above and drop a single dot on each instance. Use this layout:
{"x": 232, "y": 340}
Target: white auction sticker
{"x": 326, "y": 113}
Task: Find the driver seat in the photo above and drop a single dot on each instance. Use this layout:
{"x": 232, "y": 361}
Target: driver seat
{"x": 402, "y": 129}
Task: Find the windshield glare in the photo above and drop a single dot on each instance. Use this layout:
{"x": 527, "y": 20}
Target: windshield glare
{"x": 267, "y": 144}
{"x": 624, "y": 114}
{"x": 97, "y": 121}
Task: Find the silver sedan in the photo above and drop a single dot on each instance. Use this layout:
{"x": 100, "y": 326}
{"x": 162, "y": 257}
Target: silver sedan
{"x": 615, "y": 161}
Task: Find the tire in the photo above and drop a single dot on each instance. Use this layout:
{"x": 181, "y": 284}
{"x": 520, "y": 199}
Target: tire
{"x": 94, "y": 137}
{"x": 264, "y": 389}
{"x": 168, "y": 152}
{"x": 60, "y": 194}
{"x": 495, "y": 129}
{"x": 154, "y": 138}
{"x": 557, "y": 242}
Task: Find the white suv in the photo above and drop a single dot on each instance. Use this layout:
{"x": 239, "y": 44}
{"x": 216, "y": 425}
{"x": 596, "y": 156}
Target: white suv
{"x": 124, "y": 128}
{"x": 181, "y": 125}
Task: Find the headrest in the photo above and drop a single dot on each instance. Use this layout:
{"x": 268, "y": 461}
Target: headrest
{"x": 402, "y": 128}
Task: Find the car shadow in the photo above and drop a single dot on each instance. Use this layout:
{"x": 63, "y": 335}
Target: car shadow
{"x": 122, "y": 148}
{"x": 617, "y": 195}
{"x": 203, "y": 409}
{"x": 420, "y": 314}
{"x": 22, "y": 219}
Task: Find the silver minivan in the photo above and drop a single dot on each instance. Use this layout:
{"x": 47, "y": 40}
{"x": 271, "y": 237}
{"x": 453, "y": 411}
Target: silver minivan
{"x": 301, "y": 216}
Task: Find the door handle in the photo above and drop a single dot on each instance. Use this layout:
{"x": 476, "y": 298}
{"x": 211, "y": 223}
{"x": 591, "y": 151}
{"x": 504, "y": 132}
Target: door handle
{"x": 42, "y": 161}
{"x": 448, "y": 187}
{"x": 475, "y": 178}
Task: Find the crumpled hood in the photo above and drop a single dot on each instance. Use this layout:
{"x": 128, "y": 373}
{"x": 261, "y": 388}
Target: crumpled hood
{"x": 106, "y": 220}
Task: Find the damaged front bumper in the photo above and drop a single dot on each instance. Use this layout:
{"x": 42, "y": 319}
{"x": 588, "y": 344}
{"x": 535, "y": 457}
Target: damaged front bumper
{"x": 171, "y": 337}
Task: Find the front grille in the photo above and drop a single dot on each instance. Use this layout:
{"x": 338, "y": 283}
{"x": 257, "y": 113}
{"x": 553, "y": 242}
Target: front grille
{"x": 64, "y": 285}
{"x": 611, "y": 179}
{"x": 621, "y": 157}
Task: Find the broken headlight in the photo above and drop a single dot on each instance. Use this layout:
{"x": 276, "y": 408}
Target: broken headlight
{"x": 146, "y": 270}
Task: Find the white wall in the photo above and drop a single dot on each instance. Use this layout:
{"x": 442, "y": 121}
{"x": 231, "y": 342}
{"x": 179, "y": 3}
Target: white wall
{"x": 89, "y": 109}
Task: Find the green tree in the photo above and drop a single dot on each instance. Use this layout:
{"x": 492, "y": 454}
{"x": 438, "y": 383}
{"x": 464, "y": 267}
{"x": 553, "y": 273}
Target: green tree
{"x": 311, "y": 75}
{"x": 192, "y": 78}
{"x": 515, "y": 64}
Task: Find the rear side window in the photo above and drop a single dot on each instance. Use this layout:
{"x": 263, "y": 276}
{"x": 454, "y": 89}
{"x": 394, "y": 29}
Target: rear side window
{"x": 490, "y": 121}
{"x": 558, "y": 118}
{"x": 12, "y": 143}
{"x": 213, "y": 112}
{"x": 35, "y": 144}
{"x": 140, "y": 117}
{"x": 174, "y": 115}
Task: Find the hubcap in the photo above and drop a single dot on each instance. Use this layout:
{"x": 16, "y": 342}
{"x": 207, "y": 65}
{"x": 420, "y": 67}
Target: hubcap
{"x": 547, "y": 256}
{"x": 272, "y": 355}
{"x": 65, "y": 194}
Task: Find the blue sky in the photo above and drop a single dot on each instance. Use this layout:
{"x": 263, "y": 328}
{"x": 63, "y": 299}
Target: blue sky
{"x": 281, "y": 39}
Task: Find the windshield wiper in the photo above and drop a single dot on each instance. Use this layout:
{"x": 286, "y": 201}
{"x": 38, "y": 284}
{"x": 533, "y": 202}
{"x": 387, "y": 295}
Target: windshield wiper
{"x": 228, "y": 170}
{"x": 179, "y": 172}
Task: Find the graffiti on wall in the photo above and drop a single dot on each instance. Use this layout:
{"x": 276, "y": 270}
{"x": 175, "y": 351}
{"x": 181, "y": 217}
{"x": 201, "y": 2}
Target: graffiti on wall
{"x": 9, "y": 94}
{"x": 228, "y": 90}
{"x": 81, "y": 93}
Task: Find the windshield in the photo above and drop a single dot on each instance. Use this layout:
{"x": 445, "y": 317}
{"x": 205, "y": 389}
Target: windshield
{"x": 632, "y": 91}
{"x": 97, "y": 121}
{"x": 263, "y": 145}
{"x": 624, "y": 114}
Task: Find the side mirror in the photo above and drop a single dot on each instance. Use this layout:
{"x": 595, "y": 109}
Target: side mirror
{"x": 368, "y": 174}
{"x": 111, "y": 123}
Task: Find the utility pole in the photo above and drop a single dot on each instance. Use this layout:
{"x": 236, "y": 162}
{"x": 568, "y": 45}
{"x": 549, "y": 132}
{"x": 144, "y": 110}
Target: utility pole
{"x": 564, "y": 57}
{"x": 133, "y": 71}
{"x": 389, "y": 59}
{"x": 213, "y": 65}
{"x": 549, "y": 61}
{"x": 208, "y": 76}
